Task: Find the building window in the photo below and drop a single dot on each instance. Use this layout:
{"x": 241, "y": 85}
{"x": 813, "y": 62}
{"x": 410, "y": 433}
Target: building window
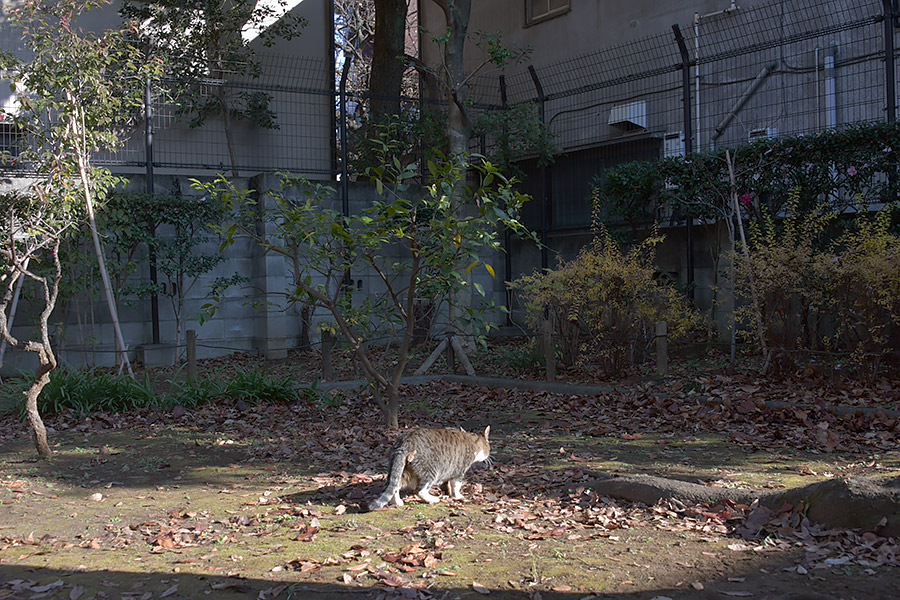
{"x": 541, "y": 10}
{"x": 10, "y": 144}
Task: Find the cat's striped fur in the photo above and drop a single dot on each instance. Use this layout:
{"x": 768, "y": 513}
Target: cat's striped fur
{"x": 423, "y": 458}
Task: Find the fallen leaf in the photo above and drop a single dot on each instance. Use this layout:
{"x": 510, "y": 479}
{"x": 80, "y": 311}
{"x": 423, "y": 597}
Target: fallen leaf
{"x": 480, "y": 589}
{"x": 46, "y": 588}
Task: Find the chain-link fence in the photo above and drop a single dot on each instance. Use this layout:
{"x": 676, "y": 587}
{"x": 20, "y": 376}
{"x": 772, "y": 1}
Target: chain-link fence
{"x": 742, "y": 74}
{"x": 735, "y": 75}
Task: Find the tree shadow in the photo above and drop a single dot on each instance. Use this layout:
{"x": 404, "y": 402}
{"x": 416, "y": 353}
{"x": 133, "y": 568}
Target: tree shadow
{"x": 765, "y": 578}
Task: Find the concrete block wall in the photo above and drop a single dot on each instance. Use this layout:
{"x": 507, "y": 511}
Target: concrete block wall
{"x": 84, "y": 337}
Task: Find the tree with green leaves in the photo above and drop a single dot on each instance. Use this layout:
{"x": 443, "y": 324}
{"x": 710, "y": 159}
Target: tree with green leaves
{"x": 415, "y": 242}
{"x": 182, "y": 228}
{"x": 79, "y": 93}
{"x": 34, "y": 223}
{"x": 203, "y": 43}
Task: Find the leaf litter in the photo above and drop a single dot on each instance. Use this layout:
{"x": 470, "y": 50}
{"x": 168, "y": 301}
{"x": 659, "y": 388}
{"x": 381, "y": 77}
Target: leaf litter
{"x": 534, "y": 495}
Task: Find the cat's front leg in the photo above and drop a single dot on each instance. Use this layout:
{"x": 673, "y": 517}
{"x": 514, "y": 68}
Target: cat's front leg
{"x": 397, "y": 499}
{"x": 454, "y": 485}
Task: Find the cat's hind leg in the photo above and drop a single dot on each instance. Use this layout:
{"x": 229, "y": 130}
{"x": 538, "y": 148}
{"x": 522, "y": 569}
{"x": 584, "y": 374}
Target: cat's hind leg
{"x": 425, "y": 494}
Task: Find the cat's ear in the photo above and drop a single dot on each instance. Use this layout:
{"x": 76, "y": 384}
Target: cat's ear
{"x": 487, "y": 430}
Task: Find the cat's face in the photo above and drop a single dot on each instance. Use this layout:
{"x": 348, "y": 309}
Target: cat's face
{"x": 484, "y": 447}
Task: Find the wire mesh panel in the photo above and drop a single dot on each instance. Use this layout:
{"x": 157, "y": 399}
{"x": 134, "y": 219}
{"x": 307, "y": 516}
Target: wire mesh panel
{"x": 774, "y": 69}
{"x": 281, "y": 120}
{"x": 786, "y": 68}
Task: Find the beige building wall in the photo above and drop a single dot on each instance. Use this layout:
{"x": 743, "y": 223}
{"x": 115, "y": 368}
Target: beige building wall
{"x": 587, "y": 26}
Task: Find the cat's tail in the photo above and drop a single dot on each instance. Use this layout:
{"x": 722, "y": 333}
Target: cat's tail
{"x": 399, "y": 460}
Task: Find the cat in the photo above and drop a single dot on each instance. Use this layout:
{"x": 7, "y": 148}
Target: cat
{"x": 423, "y": 458}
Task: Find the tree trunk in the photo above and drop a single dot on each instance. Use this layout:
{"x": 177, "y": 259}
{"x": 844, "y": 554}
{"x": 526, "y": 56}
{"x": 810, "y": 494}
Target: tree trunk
{"x": 456, "y": 13}
{"x": 78, "y": 126}
{"x": 391, "y": 408}
{"x": 388, "y": 48}
{"x": 46, "y": 360}
{"x": 754, "y": 294}
{"x": 226, "y": 126}
{"x": 41, "y": 378}
{"x": 305, "y": 321}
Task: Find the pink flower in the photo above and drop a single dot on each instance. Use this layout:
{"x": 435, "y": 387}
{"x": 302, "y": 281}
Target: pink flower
{"x": 746, "y": 199}
{"x": 851, "y": 171}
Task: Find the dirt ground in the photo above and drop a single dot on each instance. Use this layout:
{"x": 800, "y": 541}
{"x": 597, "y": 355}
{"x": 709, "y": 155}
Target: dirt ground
{"x": 263, "y": 501}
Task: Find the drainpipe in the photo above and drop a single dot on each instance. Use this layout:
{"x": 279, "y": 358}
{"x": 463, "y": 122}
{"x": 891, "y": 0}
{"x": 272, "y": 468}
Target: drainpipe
{"x": 345, "y": 183}
{"x": 739, "y": 104}
{"x": 830, "y": 88}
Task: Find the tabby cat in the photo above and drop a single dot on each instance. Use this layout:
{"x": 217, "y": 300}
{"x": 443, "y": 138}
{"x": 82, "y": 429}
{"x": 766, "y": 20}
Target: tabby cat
{"x": 423, "y": 458}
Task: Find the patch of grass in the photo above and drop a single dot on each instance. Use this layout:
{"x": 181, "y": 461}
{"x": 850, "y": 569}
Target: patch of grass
{"x": 192, "y": 393}
{"x": 253, "y": 386}
{"x": 85, "y": 392}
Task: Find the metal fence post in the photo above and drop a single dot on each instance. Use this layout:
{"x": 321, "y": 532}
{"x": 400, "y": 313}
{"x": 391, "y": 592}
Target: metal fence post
{"x": 507, "y": 234}
{"x": 545, "y": 184}
{"x": 151, "y": 250}
{"x": 889, "y": 81}
{"x": 688, "y": 147}
{"x": 191, "y": 341}
{"x": 890, "y": 85}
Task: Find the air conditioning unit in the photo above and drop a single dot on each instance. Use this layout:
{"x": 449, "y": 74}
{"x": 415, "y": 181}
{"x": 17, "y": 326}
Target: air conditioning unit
{"x": 664, "y": 213}
{"x": 629, "y": 116}
{"x": 673, "y": 144}
{"x": 761, "y": 134}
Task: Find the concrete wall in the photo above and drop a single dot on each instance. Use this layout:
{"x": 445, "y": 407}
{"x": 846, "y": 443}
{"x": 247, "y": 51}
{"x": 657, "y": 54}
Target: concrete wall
{"x": 83, "y": 334}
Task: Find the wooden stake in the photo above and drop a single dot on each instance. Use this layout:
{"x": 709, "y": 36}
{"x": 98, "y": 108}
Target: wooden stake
{"x": 662, "y": 348}
{"x": 431, "y": 358}
{"x": 191, "y": 340}
{"x": 548, "y": 349}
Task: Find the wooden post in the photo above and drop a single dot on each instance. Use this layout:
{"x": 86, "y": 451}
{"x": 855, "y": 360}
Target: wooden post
{"x": 548, "y": 348}
{"x": 662, "y": 348}
{"x": 191, "y": 340}
{"x": 432, "y": 357}
{"x": 460, "y": 353}
{"x": 327, "y": 347}
{"x": 451, "y": 357}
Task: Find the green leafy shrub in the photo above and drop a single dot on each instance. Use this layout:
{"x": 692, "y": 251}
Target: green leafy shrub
{"x": 866, "y": 282}
{"x": 842, "y": 167}
{"x": 605, "y": 303}
{"x": 839, "y": 299}
{"x": 789, "y": 265}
